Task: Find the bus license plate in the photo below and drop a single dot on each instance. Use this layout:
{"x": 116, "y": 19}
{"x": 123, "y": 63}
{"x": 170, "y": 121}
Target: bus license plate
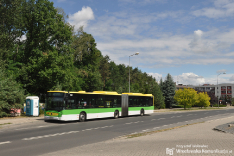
{"x": 53, "y": 114}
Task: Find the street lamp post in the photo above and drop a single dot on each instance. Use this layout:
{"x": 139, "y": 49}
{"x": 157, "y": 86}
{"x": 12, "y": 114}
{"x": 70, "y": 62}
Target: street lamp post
{"x": 218, "y": 87}
{"x": 129, "y": 67}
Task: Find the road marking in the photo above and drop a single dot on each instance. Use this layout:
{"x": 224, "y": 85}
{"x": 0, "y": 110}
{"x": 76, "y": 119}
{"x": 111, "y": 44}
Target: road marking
{"x": 146, "y": 130}
{"x": 6, "y": 142}
{"x": 21, "y": 129}
{"x": 180, "y": 116}
{"x": 42, "y": 126}
{"x": 161, "y": 118}
{"x": 172, "y": 116}
{"x": 153, "y": 119}
{"x": 129, "y": 123}
{"x": 189, "y": 114}
{"x": 50, "y": 135}
{"x": 63, "y": 133}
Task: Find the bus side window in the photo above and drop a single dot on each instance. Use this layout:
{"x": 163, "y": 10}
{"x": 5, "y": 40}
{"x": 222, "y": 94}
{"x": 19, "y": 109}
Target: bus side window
{"x": 131, "y": 102}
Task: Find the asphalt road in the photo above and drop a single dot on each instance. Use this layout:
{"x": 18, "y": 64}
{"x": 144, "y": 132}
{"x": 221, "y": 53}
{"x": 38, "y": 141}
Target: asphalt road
{"x": 44, "y": 137}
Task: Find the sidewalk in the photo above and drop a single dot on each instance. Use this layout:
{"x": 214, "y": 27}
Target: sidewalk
{"x": 200, "y": 138}
{"x": 18, "y": 120}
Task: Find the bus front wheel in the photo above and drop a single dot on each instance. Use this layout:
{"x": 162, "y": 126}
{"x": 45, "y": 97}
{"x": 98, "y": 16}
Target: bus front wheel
{"x": 82, "y": 117}
{"x": 116, "y": 114}
{"x": 142, "y": 112}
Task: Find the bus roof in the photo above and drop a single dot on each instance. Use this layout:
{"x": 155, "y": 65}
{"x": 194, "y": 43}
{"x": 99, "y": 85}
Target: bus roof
{"x": 138, "y": 94}
{"x": 96, "y": 92}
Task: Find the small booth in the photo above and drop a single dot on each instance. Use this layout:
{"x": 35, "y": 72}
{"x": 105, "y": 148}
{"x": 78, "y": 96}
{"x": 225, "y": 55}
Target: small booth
{"x": 32, "y": 106}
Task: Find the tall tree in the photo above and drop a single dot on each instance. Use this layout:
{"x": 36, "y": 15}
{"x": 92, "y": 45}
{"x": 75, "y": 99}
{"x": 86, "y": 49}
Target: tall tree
{"x": 104, "y": 69}
{"x": 10, "y": 26}
{"x": 158, "y": 97}
{"x": 87, "y": 59}
{"x": 45, "y": 56}
{"x": 169, "y": 91}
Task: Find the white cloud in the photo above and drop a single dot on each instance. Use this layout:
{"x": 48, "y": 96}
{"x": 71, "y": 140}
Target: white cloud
{"x": 232, "y": 78}
{"x": 81, "y": 18}
{"x": 157, "y": 76}
{"x": 202, "y": 48}
{"x": 189, "y": 79}
{"x": 222, "y": 8}
{"x": 200, "y": 45}
{"x": 125, "y": 24}
{"x": 221, "y": 71}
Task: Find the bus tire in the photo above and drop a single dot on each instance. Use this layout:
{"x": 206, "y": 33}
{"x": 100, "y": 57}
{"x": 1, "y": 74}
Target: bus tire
{"x": 116, "y": 114}
{"x": 82, "y": 117}
{"x": 142, "y": 112}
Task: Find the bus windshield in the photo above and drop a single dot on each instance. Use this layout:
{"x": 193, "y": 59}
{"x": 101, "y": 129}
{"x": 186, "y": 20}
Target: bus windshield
{"x": 55, "y": 103}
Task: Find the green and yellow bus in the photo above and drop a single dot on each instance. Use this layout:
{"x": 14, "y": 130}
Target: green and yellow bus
{"x": 68, "y": 106}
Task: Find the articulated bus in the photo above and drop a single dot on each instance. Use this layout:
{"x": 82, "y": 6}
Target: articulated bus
{"x": 68, "y": 106}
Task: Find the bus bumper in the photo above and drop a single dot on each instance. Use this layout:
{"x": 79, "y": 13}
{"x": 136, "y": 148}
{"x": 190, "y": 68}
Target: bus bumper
{"x": 51, "y": 118}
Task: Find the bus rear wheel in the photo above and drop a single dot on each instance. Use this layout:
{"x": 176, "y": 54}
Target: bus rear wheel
{"x": 82, "y": 117}
{"x": 142, "y": 112}
{"x": 116, "y": 114}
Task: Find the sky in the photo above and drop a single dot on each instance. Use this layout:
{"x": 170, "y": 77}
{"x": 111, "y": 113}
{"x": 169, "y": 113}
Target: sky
{"x": 193, "y": 40}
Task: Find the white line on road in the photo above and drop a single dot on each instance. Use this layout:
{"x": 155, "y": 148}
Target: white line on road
{"x": 146, "y": 130}
{"x": 129, "y": 123}
{"x": 42, "y": 126}
{"x": 161, "y": 118}
{"x": 56, "y": 134}
{"x": 6, "y": 142}
{"x": 21, "y": 129}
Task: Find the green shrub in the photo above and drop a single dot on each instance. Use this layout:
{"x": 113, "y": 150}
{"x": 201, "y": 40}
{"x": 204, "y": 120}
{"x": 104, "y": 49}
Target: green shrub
{"x": 41, "y": 111}
{"x": 3, "y": 114}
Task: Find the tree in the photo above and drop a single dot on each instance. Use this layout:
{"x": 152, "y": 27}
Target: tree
{"x": 10, "y": 26}
{"x": 104, "y": 69}
{"x": 161, "y": 84}
{"x": 158, "y": 97}
{"x": 11, "y": 94}
{"x": 45, "y": 56}
{"x": 168, "y": 89}
{"x": 203, "y": 99}
{"x": 186, "y": 97}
